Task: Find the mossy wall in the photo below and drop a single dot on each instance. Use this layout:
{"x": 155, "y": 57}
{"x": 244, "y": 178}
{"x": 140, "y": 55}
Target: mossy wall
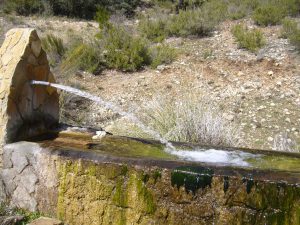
{"x": 110, "y": 193}
{"x": 82, "y": 188}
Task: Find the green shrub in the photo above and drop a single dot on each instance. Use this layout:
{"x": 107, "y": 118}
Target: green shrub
{"x": 87, "y": 57}
{"x": 54, "y": 47}
{"x": 123, "y": 51}
{"x": 199, "y": 21}
{"x": 102, "y": 17}
{"x": 80, "y": 8}
{"x": 291, "y": 31}
{"x": 87, "y": 8}
{"x": 23, "y": 7}
{"x": 162, "y": 54}
{"x": 154, "y": 30}
{"x": 248, "y": 39}
{"x": 268, "y": 15}
{"x": 273, "y": 11}
{"x": 289, "y": 28}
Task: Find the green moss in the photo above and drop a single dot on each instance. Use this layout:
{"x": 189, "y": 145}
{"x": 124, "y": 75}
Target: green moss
{"x": 226, "y": 183}
{"x": 146, "y": 196}
{"x": 120, "y": 196}
{"x": 128, "y": 147}
{"x": 156, "y": 175}
{"x": 92, "y": 170}
{"x": 124, "y": 170}
{"x": 145, "y": 177}
{"x": 192, "y": 178}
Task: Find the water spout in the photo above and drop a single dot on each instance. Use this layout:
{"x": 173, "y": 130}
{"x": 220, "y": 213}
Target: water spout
{"x": 108, "y": 105}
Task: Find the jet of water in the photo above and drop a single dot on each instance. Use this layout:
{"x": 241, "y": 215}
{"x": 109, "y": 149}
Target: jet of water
{"x": 108, "y": 105}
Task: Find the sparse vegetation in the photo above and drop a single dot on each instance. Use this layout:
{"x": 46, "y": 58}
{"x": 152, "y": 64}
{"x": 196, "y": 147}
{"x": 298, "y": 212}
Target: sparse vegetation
{"x": 190, "y": 119}
{"x": 27, "y": 216}
{"x": 251, "y": 40}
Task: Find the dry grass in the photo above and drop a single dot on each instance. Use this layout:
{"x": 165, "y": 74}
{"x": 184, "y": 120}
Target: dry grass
{"x": 190, "y": 118}
{"x": 283, "y": 143}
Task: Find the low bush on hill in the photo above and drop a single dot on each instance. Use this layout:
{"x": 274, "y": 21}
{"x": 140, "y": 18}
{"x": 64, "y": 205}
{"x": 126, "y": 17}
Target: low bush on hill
{"x": 291, "y": 31}
{"x": 162, "y": 54}
{"x": 271, "y": 12}
{"x": 251, "y": 40}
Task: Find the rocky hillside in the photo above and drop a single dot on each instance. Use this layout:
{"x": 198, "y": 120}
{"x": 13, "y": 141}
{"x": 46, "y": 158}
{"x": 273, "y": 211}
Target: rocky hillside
{"x": 259, "y": 92}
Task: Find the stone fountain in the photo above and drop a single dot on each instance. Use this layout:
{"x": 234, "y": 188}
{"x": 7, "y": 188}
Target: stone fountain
{"x": 65, "y": 173}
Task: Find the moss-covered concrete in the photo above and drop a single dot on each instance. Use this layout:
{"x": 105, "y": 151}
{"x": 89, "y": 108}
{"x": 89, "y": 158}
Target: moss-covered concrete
{"x": 107, "y": 182}
{"x": 110, "y": 193}
{"x": 149, "y": 149}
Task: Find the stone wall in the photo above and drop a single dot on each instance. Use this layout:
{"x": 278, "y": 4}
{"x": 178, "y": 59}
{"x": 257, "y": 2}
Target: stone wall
{"x": 25, "y": 110}
{"x": 79, "y": 188}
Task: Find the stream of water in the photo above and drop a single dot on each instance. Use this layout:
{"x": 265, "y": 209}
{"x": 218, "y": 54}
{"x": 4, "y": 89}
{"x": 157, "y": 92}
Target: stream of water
{"x": 111, "y": 106}
{"x": 199, "y": 155}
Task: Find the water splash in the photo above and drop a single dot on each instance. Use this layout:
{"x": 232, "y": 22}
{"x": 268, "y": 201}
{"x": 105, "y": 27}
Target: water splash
{"x": 110, "y": 106}
{"x": 237, "y": 158}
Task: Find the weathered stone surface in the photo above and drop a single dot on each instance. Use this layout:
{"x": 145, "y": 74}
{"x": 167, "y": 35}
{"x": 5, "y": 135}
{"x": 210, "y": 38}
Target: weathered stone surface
{"x": 25, "y": 110}
{"x": 19, "y": 161}
{"x": 46, "y": 221}
{"x": 22, "y": 199}
{"x": 84, "y": 187}
{"x": 30, "y": 177}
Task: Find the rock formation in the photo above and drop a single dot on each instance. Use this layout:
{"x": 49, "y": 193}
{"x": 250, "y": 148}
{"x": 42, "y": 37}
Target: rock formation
{"x": 26, "y": 110}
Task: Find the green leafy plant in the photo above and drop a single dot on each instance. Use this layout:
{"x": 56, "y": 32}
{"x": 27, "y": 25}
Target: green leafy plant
{"x": 251, "y": 40}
